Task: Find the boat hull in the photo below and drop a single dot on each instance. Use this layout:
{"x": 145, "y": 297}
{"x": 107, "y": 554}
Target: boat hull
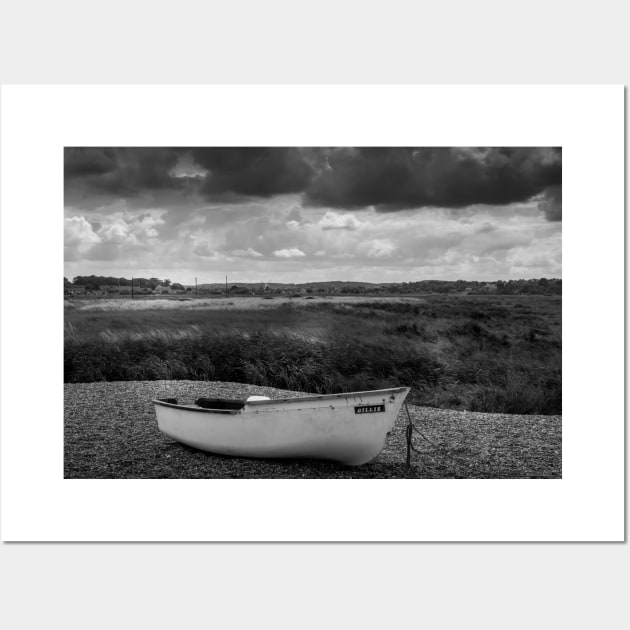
{"x": 348, "y": 428}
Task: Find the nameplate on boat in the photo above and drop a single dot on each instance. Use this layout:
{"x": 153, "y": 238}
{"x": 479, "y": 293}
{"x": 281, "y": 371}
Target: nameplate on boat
{"x": 369, "y": 409}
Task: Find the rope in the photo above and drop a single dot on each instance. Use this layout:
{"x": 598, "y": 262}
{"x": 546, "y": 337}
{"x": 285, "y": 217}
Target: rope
{"x": 410, "y": 447}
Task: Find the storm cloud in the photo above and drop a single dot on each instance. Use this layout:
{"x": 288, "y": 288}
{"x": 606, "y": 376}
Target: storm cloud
{"x": 259, "y": 172}
{"x": 387, "y": 179}
{"x": 121, "y": 171}
{"x": 402, "y": 178}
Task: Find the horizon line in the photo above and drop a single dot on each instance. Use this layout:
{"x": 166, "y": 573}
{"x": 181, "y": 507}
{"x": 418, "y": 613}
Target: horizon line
{"x": 322, "y": 281}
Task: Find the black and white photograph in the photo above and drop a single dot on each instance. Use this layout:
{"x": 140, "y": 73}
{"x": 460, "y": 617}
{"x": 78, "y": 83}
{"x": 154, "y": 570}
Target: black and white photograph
{"x": 329, "y": 352}
{"x": 313, "y": 312}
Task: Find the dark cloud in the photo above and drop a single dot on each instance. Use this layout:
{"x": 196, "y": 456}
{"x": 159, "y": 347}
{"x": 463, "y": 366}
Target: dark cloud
{"x": 121, "y": 171}
{"x": 80, "y": 162}
{"x": 387, "y": 178}
{"x": 253, "y": 171}
{"x": 345, "y": 178}
{"x": 393, "y": 179}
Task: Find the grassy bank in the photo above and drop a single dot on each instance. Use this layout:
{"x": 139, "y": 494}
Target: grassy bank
{"x": 483, "y": 353}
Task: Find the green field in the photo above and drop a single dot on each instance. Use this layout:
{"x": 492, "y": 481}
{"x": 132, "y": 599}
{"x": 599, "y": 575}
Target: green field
{"x": 481, "y": 353}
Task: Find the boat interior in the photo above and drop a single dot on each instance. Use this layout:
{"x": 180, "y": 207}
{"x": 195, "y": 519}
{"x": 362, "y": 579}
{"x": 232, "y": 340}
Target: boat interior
{"x": 219, "y": 403}
{"x": 216, "y": 404}
{"x": 210, "y": 403}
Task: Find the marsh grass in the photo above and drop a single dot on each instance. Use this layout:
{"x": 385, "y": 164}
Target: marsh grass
{"x": 495, "y": 354}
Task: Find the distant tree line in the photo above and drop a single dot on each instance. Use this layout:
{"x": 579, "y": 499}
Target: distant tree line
{"x": 540, "y": 286}
{"x": 94, "y": 283}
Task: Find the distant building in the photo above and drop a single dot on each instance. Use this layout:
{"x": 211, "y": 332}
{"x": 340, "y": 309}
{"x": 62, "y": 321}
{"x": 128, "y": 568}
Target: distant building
{"x": 161, "y": 290}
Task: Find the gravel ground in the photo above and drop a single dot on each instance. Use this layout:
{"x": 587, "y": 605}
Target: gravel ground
{"x": 110, "y": 432}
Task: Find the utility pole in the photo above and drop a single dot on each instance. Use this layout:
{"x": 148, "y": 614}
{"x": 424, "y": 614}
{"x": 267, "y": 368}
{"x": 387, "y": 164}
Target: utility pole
{"x": 132, "y": 287}
{"x": 195, "y": 286}
{"x": 226, "y": 291}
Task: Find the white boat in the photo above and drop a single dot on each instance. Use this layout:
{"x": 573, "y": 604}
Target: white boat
{"x": 349, "y": 428}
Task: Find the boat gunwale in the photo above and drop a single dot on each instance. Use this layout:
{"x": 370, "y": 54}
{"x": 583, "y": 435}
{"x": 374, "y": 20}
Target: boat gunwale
{"x": 276, "y": 401}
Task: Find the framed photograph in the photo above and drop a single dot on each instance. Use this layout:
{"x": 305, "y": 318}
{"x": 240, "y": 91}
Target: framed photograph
{"x": 313, "y": 313}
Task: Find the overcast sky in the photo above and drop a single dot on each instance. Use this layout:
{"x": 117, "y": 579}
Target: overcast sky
{"x": 313, "y": 214}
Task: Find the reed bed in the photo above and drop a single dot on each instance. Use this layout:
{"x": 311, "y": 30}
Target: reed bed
{"x": 500, "y": 355}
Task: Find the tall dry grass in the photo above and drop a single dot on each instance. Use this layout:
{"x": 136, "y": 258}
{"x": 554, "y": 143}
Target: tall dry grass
{"x": 486, "y": 354}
